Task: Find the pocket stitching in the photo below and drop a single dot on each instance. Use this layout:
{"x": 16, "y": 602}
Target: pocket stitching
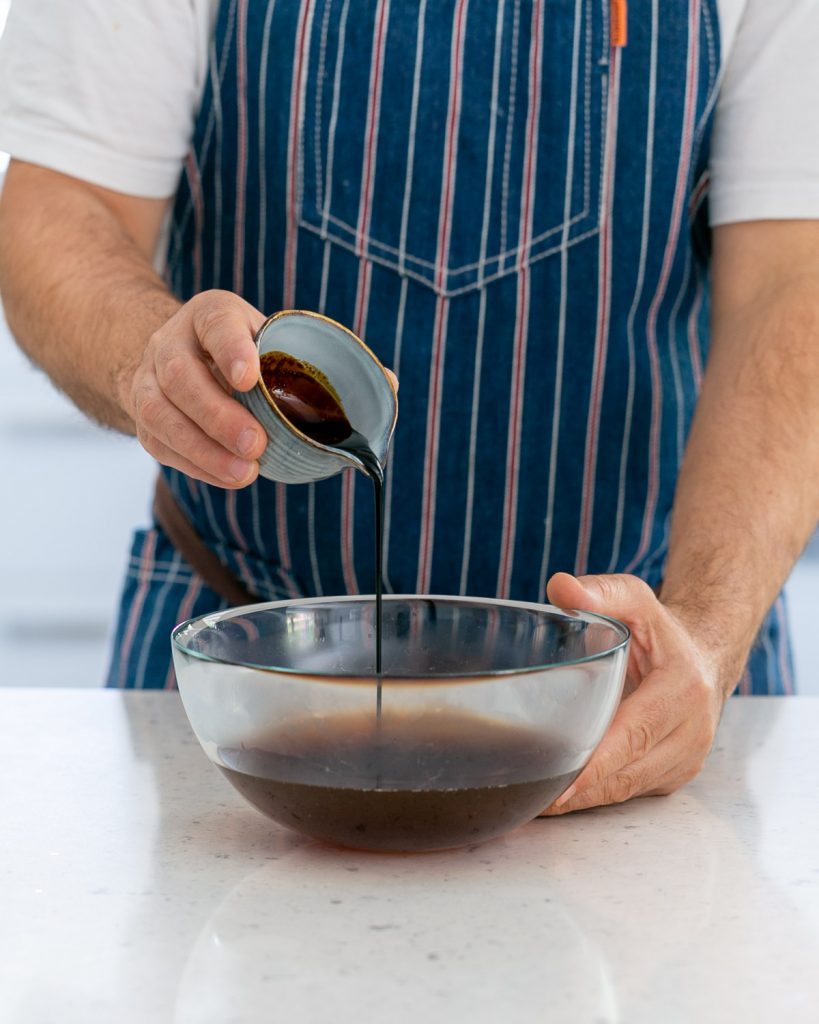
{"x": 714, "y": 73}
{"x": 462, "y": 289}
{"x": 407, "y": 258}
{"x": 325, "y": 27}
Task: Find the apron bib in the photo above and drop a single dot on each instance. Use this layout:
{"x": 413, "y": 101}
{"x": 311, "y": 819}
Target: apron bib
{"x": 513, "y": 215}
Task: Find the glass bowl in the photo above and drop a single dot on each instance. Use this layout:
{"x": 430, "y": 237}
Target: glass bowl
{"x": 486, "y": 711}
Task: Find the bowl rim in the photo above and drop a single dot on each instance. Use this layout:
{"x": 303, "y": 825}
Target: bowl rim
{"x": 211, "y": 618}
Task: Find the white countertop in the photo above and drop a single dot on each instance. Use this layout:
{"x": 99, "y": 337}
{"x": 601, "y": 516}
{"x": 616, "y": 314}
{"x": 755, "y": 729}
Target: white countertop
{"x": 135, "y": 885}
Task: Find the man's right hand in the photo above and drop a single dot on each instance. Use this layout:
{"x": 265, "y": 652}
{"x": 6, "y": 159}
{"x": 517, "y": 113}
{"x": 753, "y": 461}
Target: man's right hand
{"x": 179, "y": 394}
{"x": 81, "y": 296}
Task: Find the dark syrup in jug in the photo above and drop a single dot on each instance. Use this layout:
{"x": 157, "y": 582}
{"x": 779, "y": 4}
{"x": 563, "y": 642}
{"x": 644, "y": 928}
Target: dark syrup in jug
{"x": 404, "y": 783}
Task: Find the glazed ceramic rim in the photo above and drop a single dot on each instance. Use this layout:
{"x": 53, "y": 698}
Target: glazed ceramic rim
{"x": 333, "y": 323}
{"x": 209, "y": 620}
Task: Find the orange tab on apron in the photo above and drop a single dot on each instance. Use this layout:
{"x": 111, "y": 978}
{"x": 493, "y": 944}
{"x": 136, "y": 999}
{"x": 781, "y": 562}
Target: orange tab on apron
{"x": 619, "y": 22}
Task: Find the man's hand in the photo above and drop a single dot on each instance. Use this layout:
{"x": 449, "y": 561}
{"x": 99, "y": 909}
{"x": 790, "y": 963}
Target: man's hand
{"x": 82, "y": 296}
{"x": 84, "y": 301}
{"x": 178, "y": 395}
{"x": 664, "y": 727}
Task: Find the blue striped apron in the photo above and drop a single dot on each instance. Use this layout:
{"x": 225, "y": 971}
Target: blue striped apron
{"x": 513, "y": 214}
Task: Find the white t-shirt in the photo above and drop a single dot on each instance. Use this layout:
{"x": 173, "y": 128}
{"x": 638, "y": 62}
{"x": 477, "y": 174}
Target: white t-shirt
{"x": 87, "y": 108}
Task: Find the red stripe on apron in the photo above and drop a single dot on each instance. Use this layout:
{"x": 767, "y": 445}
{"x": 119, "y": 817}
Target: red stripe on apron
{"x": 689, "y": 114}
{"x": 195, "y": 181}
{"x": 185, "y": 608}
{"x": 146, "y": 558}
{"x": 241, "y": 149}
{"x": 603, "y": 312}
{"x": 365, "y": 266}
{"x": 522, "y": 311}
{"x": 442, "y": 304}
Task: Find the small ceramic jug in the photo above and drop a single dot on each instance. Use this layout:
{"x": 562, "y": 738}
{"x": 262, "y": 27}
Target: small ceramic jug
{"x": 360, "y": 381}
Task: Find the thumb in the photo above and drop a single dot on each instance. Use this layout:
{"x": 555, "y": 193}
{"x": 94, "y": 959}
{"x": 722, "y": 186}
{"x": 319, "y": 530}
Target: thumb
{"x": 619, "y": 595}
{"x": 225, "y": 327}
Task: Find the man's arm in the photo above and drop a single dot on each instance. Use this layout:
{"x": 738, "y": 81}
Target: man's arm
{"x": 748, "y": 494}
{"x": 746, "y": 503}
{"x": 83, "y": 300}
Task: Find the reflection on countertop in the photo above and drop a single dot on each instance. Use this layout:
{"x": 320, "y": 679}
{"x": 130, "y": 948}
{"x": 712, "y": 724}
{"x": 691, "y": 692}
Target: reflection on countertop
{"x": 141, "y": 888}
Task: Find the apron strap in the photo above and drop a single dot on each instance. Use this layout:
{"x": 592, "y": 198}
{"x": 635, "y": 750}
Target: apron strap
{"x": 175, "y": 525}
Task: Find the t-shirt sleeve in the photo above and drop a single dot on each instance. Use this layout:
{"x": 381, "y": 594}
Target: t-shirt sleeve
{"x": 103, "y": 90}
{"x": 765, "y": 150}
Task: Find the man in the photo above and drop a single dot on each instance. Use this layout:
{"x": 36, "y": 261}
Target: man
{"x": 513, "y": 208}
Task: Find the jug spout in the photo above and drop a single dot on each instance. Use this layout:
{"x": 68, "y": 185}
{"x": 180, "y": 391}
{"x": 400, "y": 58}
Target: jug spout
{"x": 345, "y": 408}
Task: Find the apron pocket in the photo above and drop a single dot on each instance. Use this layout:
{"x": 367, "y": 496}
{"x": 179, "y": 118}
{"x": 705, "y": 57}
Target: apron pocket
{"x": 458, "y": 148}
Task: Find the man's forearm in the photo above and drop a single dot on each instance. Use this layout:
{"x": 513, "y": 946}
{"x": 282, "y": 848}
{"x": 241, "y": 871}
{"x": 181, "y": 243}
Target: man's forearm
{"x": 79, "y": 293}
{"x": 748, "y": 494}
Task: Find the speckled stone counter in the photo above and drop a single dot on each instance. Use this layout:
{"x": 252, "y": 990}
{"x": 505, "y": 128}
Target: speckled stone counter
{"x": 137, "y": 886}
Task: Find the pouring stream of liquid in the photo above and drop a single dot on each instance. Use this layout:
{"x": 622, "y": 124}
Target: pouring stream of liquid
{"x": 305, "y": 397}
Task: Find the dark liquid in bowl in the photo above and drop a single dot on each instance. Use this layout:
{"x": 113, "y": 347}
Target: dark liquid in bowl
{"x": 426, "y": 782}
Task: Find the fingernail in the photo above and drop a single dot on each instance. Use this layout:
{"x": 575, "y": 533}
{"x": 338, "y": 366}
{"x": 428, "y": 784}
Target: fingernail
{"x": 240, "y": 470}
{"x": 566, "y": 796}
{"x": 247, "y": 440}
{"x": 237, "y": 372}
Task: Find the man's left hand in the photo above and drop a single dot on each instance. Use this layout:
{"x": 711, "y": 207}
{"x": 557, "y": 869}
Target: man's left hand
{"x": 664, "y": 727}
